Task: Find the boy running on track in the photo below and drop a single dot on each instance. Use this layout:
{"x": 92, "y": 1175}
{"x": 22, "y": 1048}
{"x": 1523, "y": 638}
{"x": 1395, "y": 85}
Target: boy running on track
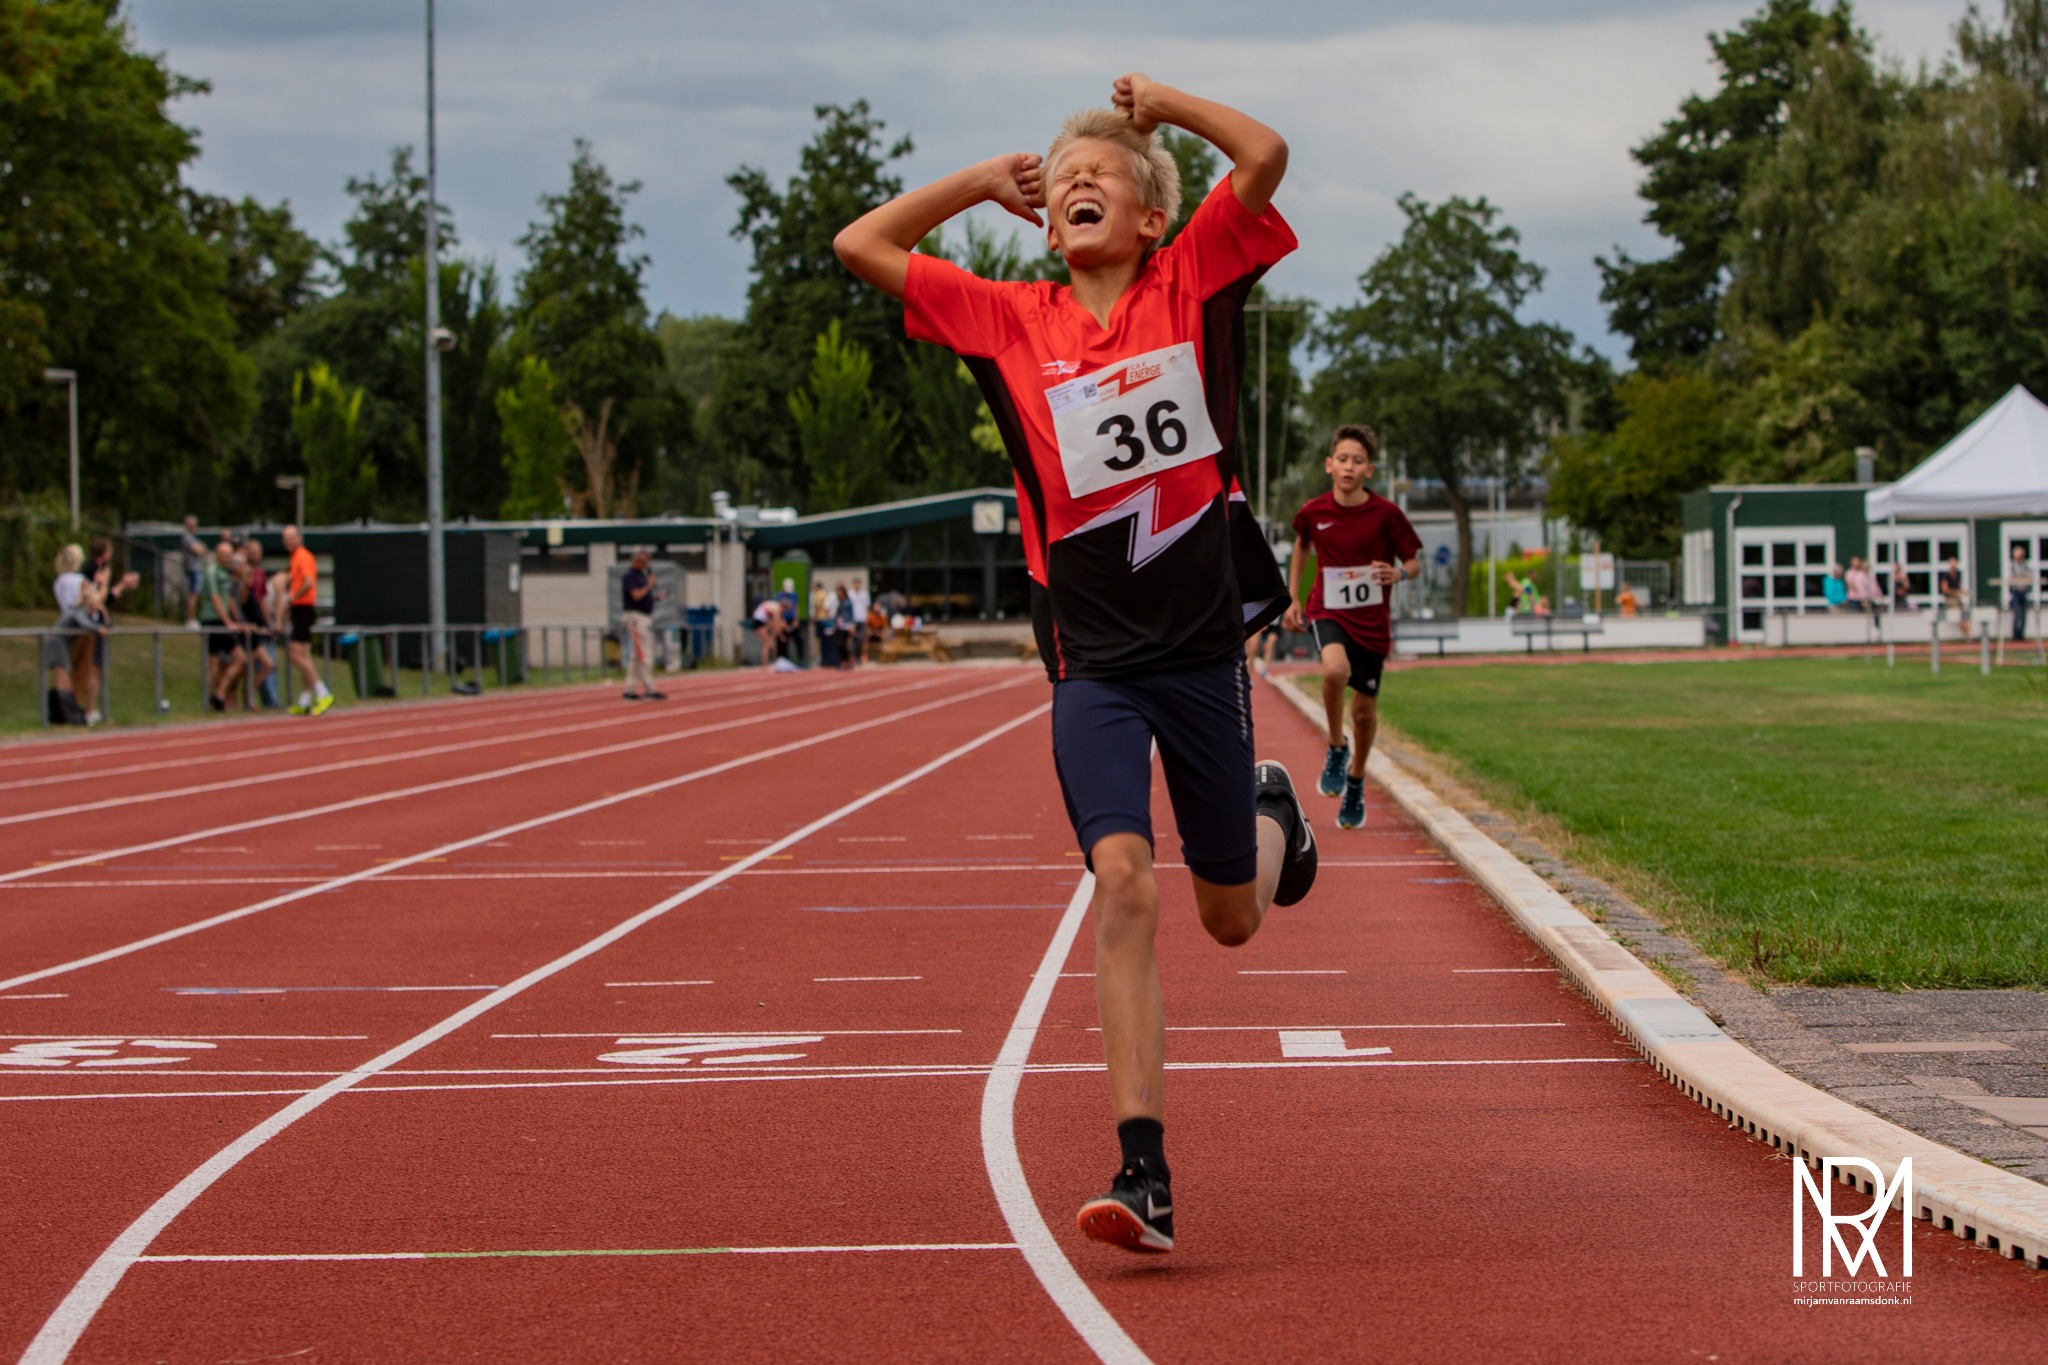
{"x": 1146, "y": 570}
{"x": 1363, "y": 545}
{"x": 302, "y": 602}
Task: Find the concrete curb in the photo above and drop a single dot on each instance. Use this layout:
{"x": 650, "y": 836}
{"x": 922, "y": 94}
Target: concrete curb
{"x": 1981, "y": 1203}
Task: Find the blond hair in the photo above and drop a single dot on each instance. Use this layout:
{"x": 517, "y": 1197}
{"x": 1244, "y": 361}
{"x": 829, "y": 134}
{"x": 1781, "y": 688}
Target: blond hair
{"x": 1153, "y": 168}
{"x": 69, "y": 558}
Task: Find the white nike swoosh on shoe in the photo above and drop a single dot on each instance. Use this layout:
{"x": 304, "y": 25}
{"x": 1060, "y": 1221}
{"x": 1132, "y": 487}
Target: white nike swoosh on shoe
{"x": 1155, "y": 1211}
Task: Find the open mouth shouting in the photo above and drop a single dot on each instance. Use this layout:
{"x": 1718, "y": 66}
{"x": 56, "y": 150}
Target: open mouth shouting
{"x": 1084, "y": 212}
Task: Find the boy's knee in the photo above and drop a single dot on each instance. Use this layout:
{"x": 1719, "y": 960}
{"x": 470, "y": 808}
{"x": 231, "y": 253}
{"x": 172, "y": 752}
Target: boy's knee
{"x": 1124, "y": 885}
{"x": 1336, "y": 669}
{"x": 1229, "y": 914}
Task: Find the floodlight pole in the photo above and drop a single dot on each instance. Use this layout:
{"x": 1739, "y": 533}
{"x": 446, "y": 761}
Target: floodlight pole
{"x": 1262, "y": 308}
{"x": 70, "y": 377}
{"x": 437, "y": 568}
{"x": 297, "y": 483}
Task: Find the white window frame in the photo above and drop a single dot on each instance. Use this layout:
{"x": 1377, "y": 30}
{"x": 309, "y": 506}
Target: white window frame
{"x": 1934, "y": 532}
{"x": 1769, "y": 603}
{"x": 1698, "y": 572}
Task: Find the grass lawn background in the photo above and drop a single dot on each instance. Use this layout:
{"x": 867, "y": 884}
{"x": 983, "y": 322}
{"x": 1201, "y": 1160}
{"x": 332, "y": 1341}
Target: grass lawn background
{"x": 1826, "y": 822}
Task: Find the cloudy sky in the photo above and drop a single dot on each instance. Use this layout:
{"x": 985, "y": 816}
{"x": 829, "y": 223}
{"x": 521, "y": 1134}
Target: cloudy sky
{"x": 1532, "y": 103}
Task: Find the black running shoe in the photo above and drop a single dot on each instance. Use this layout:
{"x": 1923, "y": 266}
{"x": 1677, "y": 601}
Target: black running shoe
{"x": 1351, "y": 810}
{"x": 1334, "y": 768}
{"x": 1136, "y": 1214}
{"x": 1275, "y": 797}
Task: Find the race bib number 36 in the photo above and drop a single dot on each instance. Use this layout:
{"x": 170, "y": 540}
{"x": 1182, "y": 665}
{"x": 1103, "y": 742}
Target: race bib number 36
{"x": 1347, "y": 588}
{"x": 1134, "y": 418}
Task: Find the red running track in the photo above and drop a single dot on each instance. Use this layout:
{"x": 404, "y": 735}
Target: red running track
{"x": 690, "y": 1051}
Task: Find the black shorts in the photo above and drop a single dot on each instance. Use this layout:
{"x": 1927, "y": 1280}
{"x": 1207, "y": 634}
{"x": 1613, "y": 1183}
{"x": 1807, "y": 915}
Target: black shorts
{"x": 1102, "y": 734}
{"x": 1366, "y": 666}
{"x": 221, "y": 643}
{"x": 302, "y": 622}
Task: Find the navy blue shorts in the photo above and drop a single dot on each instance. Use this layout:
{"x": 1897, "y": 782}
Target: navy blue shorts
{"x": 1102, "y": 733}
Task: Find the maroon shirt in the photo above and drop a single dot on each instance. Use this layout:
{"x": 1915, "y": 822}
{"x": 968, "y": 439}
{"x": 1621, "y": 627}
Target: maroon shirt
{"x": 1375, "y": 531}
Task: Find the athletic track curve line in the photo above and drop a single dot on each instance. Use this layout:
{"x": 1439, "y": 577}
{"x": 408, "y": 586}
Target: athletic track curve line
{"x": 535, "y": 822}
{"x": 61, "y": 1331}
{"x": 444, "y": 784}
{"x": 1055, "y": 1272}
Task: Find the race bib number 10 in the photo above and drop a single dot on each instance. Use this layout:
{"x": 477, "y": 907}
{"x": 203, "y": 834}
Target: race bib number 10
{"x": 1348, "y": 588}
{"x": 1134, "y": 418}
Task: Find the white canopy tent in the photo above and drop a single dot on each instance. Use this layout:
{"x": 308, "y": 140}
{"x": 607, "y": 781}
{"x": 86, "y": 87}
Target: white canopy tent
{"x": 1996, "y": 467}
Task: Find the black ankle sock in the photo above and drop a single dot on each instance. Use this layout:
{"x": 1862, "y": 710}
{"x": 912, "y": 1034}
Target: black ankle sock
{"x": 1283, "y": 814}
{"x": 1144, "y": 1144}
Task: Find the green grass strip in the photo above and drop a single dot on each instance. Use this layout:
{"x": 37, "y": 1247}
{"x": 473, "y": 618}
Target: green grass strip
{"x": 1826, "y": 822}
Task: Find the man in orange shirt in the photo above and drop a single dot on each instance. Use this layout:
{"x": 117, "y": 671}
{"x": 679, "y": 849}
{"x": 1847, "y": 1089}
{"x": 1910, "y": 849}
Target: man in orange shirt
{"x": 301, "y": 593}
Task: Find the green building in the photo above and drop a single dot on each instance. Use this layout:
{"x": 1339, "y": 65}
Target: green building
{"x": 1784, "y": 538}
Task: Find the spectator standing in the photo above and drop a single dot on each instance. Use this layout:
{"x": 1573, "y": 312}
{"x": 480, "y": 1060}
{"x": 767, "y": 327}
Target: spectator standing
{"x": 862, "y": 606}
{"x": 219, "y": 618}
{"x": 2019, "y": 587}
{"x": 825, "y": 611}
{"x": 195, "y": 564}
{"x": 847, "y": 625}
{"x": 1626, "y": 602}
{"x": 68, "y": 589}
{"x": 255, "y": 611}
{"x": 636, "y": 612}
{"x": 1835, "y": 588}
{"x": 1952, "y": 594}
{"x": 102, "y": 590}
{"x": 1861, "y": 584}
{"x": 302, "y": 610}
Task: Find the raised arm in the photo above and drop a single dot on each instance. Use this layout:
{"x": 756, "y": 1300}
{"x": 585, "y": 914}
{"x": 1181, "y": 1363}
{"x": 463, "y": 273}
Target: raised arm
{"x": 876, "y": 246}
{"x": 1258, "y": 155}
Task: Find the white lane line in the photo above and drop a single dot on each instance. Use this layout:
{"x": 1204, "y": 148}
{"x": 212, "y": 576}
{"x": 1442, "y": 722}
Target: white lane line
{"x": 1069, "y": 1293}
{"x": 61, "y": 1331}
{"x": 56, "y": 995}
{"x": 616, "y": 985}
{"x": 772, "y": 1075}
{"x": 208, "y": 1037}
{"x": 867, "y": 978}
{"x": 425, "y": 788}
{"x": 378, "y": 869}
{"x": 298, "y": 745}
{"x": 352, "y": 764}
{"x": 1342, "y": 1028}
{"x": 308, "y": 990}
{"x": 585, "y": 874}
{"x": 1292, "y": 971}
{"x": 753, "y": 1033}
{"x": 622, "y": 1251}
{"x": 1500, "y": 971}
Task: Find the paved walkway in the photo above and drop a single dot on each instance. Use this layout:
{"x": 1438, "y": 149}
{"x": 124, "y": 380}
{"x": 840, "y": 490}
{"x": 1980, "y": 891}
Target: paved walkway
{"x": 1965, "y": 1068}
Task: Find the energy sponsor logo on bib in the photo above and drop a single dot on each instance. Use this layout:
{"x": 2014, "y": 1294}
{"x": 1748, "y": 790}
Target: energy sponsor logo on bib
{"x": 1144, "y": 414}
{"x": 1350, "y": 587}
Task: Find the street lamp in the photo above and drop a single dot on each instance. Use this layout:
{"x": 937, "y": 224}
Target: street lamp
{"x": 70, "y": 377}
{"x": 297, "y": 483}
{"x": 437, "y": 569}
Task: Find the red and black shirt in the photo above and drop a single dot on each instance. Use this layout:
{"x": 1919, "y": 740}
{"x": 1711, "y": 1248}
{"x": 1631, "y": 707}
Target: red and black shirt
{"x": 1124, "y": 443}
{"x": 1341, "y": 538}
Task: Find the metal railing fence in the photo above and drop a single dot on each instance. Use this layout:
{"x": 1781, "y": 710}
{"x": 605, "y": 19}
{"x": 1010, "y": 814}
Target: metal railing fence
{"x": 373, "y": 658}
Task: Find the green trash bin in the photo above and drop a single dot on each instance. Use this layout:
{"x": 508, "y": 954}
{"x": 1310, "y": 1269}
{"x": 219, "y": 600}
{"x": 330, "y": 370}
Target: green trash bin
{"x": 368, "y": 664}
{"x": 505, "y": 653}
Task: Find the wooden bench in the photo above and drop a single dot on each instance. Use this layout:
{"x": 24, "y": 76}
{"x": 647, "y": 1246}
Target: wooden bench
{"x": 1550, "y": 627}
{"x": 1416, "y": 628}
{"x": 900, "y": 644}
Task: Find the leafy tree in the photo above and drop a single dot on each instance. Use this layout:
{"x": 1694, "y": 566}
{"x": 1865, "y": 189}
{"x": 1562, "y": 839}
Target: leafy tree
{"x": 1434, "y": 356}
{"x": 1696, "y": 168}
{"x": 368, "y": 331}
{"x": 100, "y": 271}
{"x": 341, "y": 479}
{"x": 582, "y": 308}
{"x": 693, "y": 350}
{"x": 1625, "y": 485}
{"x": 537, "y": 443}
{"x": 845, "y": 434}
{"x": 272, "y": 269}
{"x": 799, "y": 289}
